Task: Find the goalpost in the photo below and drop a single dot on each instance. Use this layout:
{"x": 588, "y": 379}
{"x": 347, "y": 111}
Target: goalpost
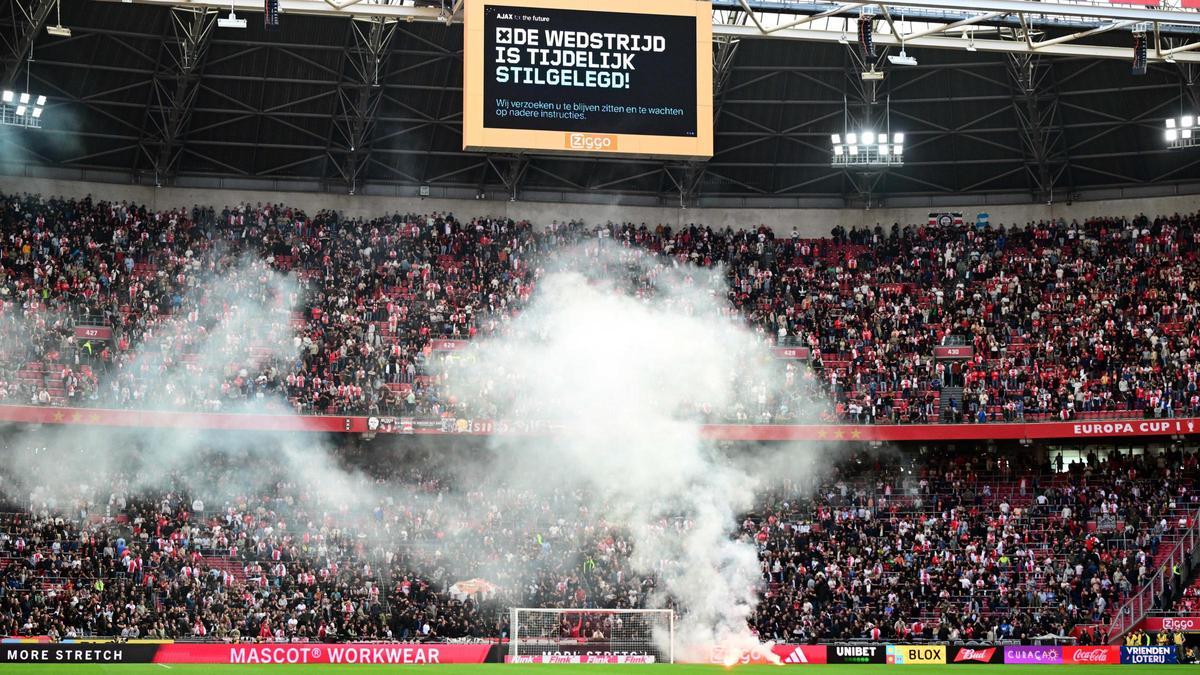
{"x": 592, "y": 635}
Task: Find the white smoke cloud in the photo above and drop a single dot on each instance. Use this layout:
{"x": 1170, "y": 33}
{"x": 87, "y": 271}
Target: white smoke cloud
{"x": 629, "y": 377}
{"x": 625, "y": 375}
{"x": 244, "y": 304}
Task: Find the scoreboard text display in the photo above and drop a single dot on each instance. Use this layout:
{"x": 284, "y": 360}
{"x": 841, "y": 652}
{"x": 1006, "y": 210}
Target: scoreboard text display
{"x": 554, "y": 76}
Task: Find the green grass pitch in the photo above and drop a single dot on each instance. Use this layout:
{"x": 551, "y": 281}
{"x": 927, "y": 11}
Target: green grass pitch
{"x": 547, "y": 669}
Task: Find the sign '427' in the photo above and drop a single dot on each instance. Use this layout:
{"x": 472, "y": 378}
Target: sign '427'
{"x": 93, "y": 333}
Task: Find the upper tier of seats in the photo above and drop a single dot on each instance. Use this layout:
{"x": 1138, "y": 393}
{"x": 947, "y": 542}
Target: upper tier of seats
{"x": 1081, "y": 320}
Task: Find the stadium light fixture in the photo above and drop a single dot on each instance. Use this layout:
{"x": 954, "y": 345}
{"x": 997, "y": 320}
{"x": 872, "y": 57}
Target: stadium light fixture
{"x": 21, "y": 109}
{"x": 902, "y": 59}
{"x": 1179, "y": 132}
{"x": 866, "y": 144}
{"x": 231, "y": 21}
{"x": 58, "y": 30}
{"x": 868, "y": 148}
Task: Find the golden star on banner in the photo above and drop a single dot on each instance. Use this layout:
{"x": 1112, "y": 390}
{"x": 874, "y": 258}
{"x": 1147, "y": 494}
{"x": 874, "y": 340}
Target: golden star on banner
{"x": 839, "y": 435}
{"x": 58, "y": 417}
{"x": 856, "y": 434}
{"x": 77, "y": 416}
{"x": 93, "y": 418}
{"x": 821, "y": 433}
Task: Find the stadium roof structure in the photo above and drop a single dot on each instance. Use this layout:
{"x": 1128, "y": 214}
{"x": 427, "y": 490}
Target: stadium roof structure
{"x": 1012, "y": 101}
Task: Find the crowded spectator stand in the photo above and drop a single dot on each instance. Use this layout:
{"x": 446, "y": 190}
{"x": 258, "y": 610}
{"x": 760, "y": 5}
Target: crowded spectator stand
{"x": 1064, "y": 321}
{"x": 950, "y": 547}
{"x": 110, "y": 308}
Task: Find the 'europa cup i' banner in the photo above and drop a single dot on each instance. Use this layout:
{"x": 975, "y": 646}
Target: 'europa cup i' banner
{"x": 264, "y": 654}
{"x": 1033, "y": 654}
{"x": 903, "y": 655}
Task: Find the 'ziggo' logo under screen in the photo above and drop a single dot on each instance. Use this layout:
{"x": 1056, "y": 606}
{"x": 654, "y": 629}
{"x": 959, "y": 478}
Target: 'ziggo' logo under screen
{"x": 581, "y": 141}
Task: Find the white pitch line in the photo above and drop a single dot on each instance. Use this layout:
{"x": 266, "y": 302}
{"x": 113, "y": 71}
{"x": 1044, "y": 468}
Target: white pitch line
{"x": 163, "y": 665}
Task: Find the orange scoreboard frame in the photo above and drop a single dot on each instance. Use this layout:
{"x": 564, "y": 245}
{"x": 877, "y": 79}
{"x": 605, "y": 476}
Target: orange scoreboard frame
{"x": 564, "y": 77}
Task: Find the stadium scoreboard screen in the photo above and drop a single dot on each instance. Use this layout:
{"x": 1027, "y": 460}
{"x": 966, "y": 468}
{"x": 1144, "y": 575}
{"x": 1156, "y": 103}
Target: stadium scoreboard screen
{"x": 557, "y": 76}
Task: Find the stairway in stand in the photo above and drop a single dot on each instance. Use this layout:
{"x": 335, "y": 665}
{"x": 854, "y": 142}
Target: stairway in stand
{"x": 949, "y": 394}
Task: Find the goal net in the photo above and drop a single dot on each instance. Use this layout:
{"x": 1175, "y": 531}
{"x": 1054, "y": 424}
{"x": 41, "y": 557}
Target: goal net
{"x": 592, "y": 635}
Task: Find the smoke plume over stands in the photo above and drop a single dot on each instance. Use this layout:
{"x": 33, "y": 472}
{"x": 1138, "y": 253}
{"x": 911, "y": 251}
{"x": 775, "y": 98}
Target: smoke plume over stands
{"x": 238, "y": 327}
{"x": 626, "y": 354}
